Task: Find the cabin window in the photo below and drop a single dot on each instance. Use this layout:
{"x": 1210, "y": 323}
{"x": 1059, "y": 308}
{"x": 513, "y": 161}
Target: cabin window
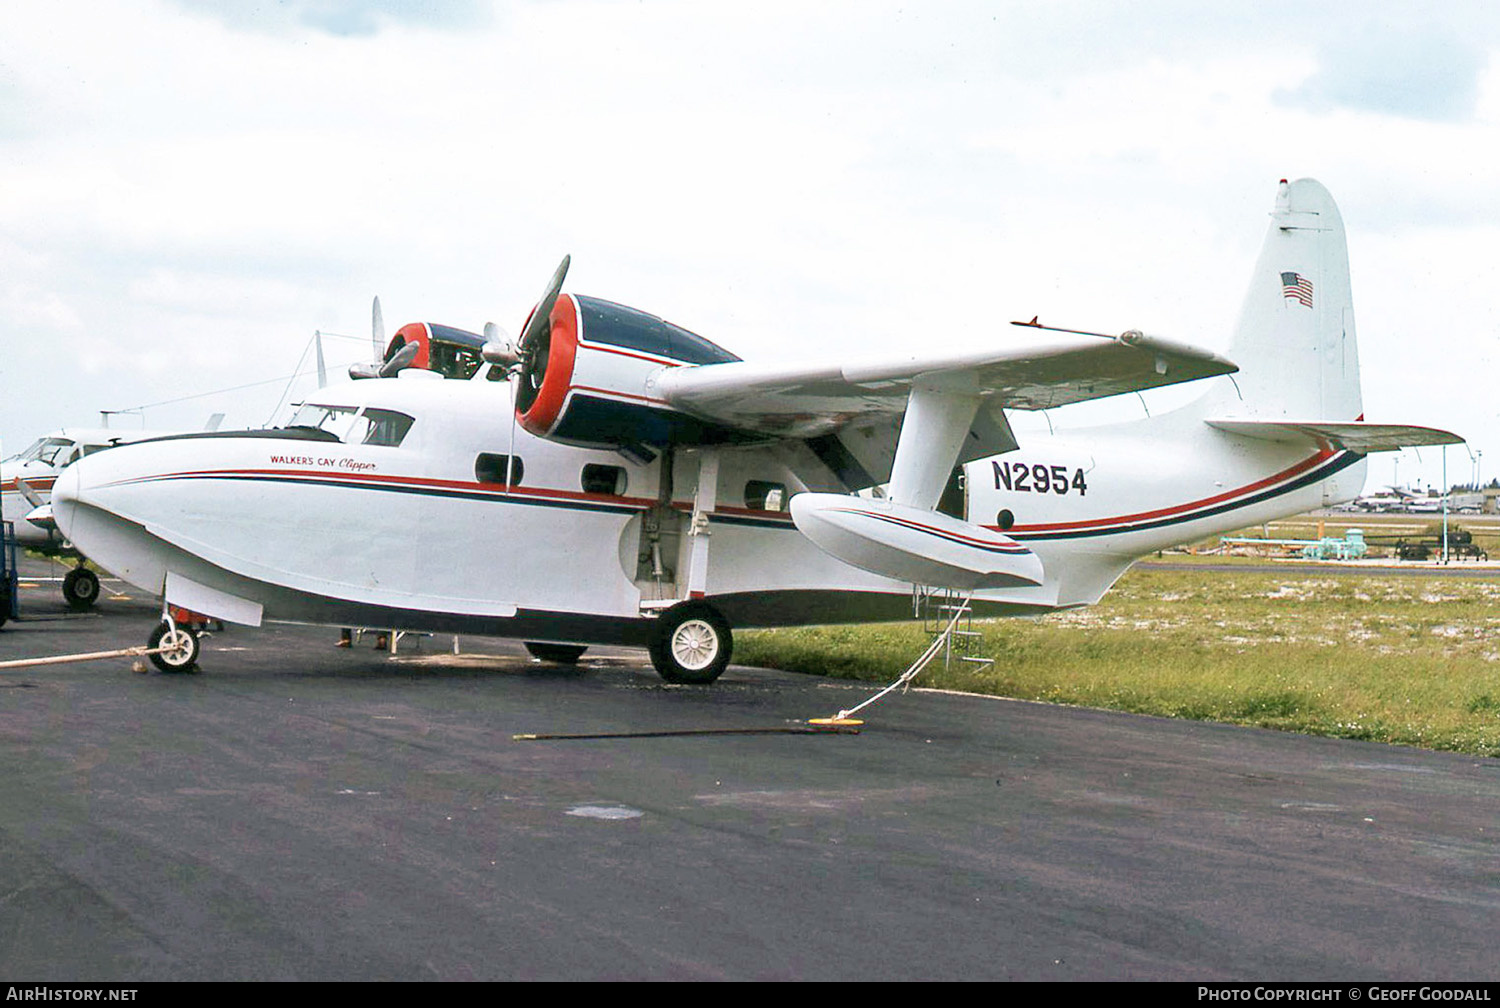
{"x": 603, "y": 479}
{"x": 1005, "y": 519}
{"x": 384, "y": 427}
{"x": 491, "y": 468}
{"x": 953, "y": 501}
{"x": 763, "y": 495}
{"x": 90, "y": 449}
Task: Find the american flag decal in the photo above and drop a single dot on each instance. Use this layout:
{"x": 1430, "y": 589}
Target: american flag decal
{"x": 1295, "y": 285}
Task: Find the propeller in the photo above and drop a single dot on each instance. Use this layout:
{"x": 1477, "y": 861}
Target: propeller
{"x": 398, "y": 360}
{"x": 536, "y": 340}
{"x": 381, "y": 368}
{"x": 498, "y": 347}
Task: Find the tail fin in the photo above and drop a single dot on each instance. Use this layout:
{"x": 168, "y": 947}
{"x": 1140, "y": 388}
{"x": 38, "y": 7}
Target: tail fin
{"x": 1295, "y": 340}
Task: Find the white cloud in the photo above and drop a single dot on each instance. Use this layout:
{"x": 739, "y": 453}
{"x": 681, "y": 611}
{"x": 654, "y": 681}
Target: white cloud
{"x": 1421, "y": 70}
{"x": 341, "y": 17}
{"x": 188, "y": 191}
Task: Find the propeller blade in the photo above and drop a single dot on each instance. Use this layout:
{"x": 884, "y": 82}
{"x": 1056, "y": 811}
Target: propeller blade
{"x": 26, "y": 491}
{"x": 377, "y": 329}
{"x": 541, "y": 318}
{"x": 400, "y": 359}
{"x": 322, "y": 368}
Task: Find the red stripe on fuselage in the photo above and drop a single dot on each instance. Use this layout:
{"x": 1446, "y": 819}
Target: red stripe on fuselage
{"x": 35, "y": 482}
{"x": 356, "y": 479}
{"x": 1301, "y": 467}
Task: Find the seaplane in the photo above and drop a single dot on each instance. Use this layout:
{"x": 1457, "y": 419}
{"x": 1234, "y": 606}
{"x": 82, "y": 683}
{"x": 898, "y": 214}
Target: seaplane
{"x": 26, "y": 478}
{"x": 609, "y": 477}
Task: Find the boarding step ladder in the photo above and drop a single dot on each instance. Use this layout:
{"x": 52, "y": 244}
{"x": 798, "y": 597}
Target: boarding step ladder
{"x": 930, "y": 605}
{"x": 947, "y": 614}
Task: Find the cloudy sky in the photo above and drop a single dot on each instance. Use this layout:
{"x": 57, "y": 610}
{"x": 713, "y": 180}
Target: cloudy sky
{"x": 189, "y": 189}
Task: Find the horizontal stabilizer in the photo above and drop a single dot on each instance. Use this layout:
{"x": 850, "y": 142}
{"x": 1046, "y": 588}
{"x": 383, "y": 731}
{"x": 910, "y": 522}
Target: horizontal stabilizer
{"x": 1355, "y": 436}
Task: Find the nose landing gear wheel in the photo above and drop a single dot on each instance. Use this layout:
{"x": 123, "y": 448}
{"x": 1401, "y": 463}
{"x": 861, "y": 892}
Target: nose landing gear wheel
{"x": 182, "y": 648}
{"x": 691, "y": 644}
{"x": 81, "y": 588}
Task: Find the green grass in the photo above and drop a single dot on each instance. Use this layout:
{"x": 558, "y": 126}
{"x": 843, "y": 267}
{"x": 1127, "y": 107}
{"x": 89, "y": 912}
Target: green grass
{"x": 1413, "y": 661}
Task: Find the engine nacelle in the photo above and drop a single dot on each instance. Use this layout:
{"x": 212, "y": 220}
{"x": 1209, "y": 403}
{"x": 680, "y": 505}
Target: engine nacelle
{"x": 588, "y": 380}
{"x": 443, "y": 350}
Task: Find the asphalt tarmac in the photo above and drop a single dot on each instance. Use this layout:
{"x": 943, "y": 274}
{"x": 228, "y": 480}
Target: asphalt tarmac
{"x": 300, "y": 812}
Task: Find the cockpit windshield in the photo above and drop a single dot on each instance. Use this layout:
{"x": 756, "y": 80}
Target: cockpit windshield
{"x": 335, "y": 420}
{"x": 352, "y": 425}
{"x": 51, "y": 450}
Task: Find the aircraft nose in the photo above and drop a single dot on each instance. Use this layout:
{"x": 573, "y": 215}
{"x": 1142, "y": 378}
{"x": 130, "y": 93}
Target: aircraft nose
{"x": 67, "y": 494}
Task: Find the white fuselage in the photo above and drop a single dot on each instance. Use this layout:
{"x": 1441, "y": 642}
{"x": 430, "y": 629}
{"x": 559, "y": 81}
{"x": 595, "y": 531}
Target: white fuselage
{"x": 1133, "y": 489}
{"x": 583, "y": 544}
{"x": 38, "y": 467}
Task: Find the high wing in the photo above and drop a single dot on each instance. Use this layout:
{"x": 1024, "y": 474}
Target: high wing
{"x": 1357, "y": 436}
{"x": 843, "y": 421}
{"x": 808, "y": 400}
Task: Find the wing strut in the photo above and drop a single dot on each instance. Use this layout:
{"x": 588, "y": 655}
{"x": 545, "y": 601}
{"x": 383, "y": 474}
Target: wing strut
{"x": 932, "y": 433}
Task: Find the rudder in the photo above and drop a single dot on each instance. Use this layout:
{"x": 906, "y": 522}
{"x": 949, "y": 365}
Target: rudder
{"x": 1295, "y": 341}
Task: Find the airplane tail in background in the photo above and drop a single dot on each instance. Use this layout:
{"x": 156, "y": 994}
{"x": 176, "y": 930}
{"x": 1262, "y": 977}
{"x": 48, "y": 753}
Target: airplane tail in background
{"x": 1295, "y": 341}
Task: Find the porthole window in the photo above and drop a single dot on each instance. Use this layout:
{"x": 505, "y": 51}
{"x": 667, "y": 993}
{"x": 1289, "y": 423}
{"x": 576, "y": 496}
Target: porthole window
{"x": 1005, "y": 519}
{"x": 492, "y": 468}
{"x": 763, "y": 495}
{"x": 603, "y": 479}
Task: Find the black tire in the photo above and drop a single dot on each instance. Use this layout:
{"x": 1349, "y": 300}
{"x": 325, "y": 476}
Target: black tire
{"x": 185, "y": 647}
{"x": 561, "y": 654}
{"x": 691, "y": 644}
{"x": 81, "y": 588}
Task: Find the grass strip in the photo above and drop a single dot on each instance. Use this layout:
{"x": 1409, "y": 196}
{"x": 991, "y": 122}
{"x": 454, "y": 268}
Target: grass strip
{"x": 1410, "y": 661}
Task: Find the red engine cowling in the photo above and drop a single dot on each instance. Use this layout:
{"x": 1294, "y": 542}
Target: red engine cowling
{"x": 452, "y": 353}
{"x": 587, "y": 381}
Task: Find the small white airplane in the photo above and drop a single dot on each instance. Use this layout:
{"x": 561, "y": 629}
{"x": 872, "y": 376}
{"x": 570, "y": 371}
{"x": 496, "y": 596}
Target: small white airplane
{"x": 26, "y": 480}
{"x": 1400, "y": 499}
{"x": 612, "y": 478}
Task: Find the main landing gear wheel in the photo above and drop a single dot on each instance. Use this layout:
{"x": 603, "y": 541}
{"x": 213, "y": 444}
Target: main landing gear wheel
{"x": 182, "y": 648}
{"x": 691, "y": 644}
{"x": 562, "y": 654}
{"x": 81, "y": 588}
